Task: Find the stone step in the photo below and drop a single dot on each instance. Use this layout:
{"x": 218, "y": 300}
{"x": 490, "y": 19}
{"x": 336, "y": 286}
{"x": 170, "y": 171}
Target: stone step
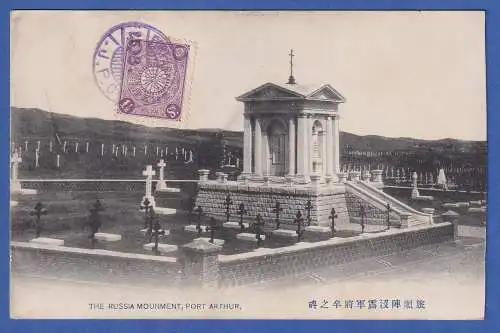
{"x": 246, "y": 236}
{"x": 145, "y": 232}
{"x": 219, "y": 242}
{"x": 235, "y": 225}
{"x": 477, "y": 210}
{"x": 318, "y": 229}
{"x": 192, "y": 228}
{"x": 168, "y": 190}
{"x": 162, "y": 248}
{"x": 47, "y": 241}
{"x": 105, "y": 237}
{"x": 284, "y": 233}
{"x": 165, "y": 211}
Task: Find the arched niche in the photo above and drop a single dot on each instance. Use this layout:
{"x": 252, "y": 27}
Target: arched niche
{"x": 318, "y": 148}
{"x": 276, "y": 159}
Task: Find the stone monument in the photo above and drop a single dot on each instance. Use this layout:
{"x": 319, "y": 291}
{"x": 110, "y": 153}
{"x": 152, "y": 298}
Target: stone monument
{"x": 291, "y": 154}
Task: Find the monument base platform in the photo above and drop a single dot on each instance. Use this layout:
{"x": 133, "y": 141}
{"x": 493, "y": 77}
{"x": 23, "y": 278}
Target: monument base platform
{"x": 260, "y": 198}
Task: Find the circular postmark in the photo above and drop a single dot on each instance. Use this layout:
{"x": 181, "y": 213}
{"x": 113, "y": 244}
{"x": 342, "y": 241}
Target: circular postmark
{"x": 107, "y": 62}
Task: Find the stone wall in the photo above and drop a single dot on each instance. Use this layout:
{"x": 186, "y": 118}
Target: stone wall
{"x": 200, "y": 263}
{"x": 271, "y": 264}
{"x": 261, "y": 199}
{"x": 94, "y": 265}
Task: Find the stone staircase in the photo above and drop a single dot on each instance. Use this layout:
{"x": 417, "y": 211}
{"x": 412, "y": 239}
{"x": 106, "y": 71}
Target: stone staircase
{"x": 378, "y": 199}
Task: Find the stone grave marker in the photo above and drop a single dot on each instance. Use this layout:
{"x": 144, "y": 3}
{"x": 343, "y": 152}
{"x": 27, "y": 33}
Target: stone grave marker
{"x": 258, "y": 236}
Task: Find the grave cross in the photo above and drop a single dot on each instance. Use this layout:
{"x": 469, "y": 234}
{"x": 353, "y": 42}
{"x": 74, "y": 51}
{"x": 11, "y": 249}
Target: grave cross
{"x": 146, "y": 207}
{"x": 15, "y": 160}
{"x": 38, "y": 211}
{"x": 258, "y": 228}
{"x": 199, "y": 211}
{"x": 149, "y": 173}
{"x": 388, "y": 207}
{"x": 242, "y": 211}
{"x": 212, "y": 227}
{"x": 161, "y": 183}
{"x": 277, "y": 210}
{"x": 300, "y": 222}
{"x": 95, "y": 220}
{"x": 362, "y": 213}
{"x": 333, "y": 216}
{"x": 308, "y": 208}
{"x": 156, "y": 233}
{"x": 191, "y": 205}
{"x": 227, "y": 204}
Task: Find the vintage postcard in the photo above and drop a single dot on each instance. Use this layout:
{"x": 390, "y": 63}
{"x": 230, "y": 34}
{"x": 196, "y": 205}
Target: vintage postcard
{"x": 267, "y": 165}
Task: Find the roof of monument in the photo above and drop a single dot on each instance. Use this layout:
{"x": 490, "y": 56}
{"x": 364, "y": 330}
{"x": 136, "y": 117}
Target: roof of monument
{"x": 275, "y": 91}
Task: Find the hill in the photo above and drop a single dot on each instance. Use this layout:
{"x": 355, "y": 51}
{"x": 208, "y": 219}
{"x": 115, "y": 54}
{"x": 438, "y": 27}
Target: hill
{"x": 30, "y": 123}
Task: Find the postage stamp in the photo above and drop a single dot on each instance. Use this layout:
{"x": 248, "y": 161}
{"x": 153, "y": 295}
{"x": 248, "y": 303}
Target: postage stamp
{"x": 153, "y": 79}
{"x": 107, "y": 62}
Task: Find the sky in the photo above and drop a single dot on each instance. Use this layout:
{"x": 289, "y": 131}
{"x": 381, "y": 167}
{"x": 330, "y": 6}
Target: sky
{"x": 403, "y": 74}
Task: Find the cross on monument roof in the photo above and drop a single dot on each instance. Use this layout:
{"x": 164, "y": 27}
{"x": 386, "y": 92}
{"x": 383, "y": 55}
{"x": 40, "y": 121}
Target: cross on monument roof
{"x": 291, "y": 78}
{"x": 162, "y": 163}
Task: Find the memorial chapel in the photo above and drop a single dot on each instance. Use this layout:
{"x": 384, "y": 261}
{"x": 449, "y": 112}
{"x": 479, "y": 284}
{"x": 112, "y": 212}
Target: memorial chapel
{"x": 291, "y": 130}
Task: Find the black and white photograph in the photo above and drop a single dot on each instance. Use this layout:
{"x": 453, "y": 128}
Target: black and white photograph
{"x": 248, "y": 164}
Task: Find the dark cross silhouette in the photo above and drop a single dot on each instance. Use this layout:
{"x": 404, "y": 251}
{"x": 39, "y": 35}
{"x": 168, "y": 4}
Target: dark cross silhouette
{"x": 38, "y": 211}
{"x": 156, "y": 233}
{"x": 277, "y": 210}
{"x": 227, "y": 204}
{"x": 212, "y": 227}
{"x": 333, "y": 216}
{"x": 291, "y": 79}
{"x": 299, "y": 220}
{"x": 191, "y": 208}
{"x": 151, "y": 218}
{"x": 146, "y": 207}
{"x": 362, "y": 213}
{"x": 95, "y": 220}
{"x": 242, "y": 211}
{"x": 388, "y": 207}
{"x": 258, "y": 228}
{"x": 199, "y": 212}
{"x": 308, "y": 208}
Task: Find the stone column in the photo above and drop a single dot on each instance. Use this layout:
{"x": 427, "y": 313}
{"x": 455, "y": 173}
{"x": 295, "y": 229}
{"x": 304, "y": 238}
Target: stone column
{"x": 329, "y": 147}
{"x": 247, "y": 145}
{"x": 200, "y": 260}
{"x": 258, "y": 148}
{"x": 291, "y": 146}
{"x": 302, "y": 148}
{"x": 203, "y": 175}
{"x": 310, "y": 145}
{"x": 336, "y": 145}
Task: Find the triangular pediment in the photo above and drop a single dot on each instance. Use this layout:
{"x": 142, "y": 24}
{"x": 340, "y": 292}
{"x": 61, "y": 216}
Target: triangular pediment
{"x": 269, "y": 91}
{"x": 326, "y": 93}
{"x": 272, "y": 91}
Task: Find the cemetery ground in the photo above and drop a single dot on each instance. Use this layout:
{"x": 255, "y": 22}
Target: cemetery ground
{"x": 441, "y": 268}
{"x": 68, "y": 217}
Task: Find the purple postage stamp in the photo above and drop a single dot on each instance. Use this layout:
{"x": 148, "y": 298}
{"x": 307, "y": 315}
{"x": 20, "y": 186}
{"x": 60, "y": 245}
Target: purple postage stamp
{"x": 109, "y": 54}
{"x": 153, "y": 78}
